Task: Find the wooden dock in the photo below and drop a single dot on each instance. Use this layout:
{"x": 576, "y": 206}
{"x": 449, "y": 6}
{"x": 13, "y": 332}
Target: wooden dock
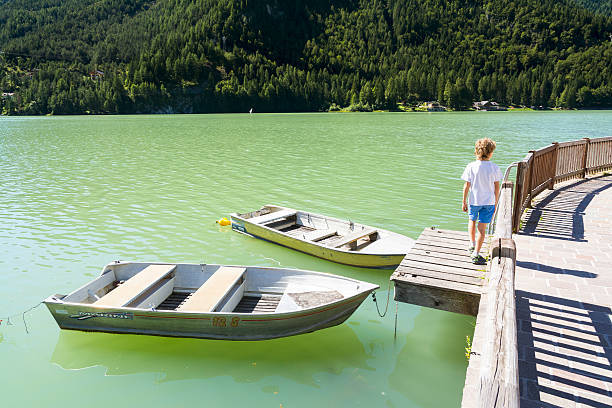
{"x": 438, "y": 273}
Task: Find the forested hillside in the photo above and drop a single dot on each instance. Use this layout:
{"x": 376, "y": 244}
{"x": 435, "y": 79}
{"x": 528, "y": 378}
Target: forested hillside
{"x": 599, "y": 6}
{"x": 120, "y": 56}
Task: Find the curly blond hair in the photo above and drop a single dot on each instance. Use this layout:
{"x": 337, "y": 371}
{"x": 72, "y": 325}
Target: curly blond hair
{"x": 484, "y": 148}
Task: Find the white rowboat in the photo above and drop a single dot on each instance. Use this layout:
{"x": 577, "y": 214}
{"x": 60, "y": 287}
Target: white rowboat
{"x": 208, "y": 301}
{"x": 341, "y": 241}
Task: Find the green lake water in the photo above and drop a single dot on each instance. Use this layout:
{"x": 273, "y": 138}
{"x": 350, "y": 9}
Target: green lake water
{"x": 79, "y": 192}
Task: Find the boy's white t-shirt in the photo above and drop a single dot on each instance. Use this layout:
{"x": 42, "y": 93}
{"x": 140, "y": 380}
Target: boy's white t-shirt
{"x": 482, "y": 174}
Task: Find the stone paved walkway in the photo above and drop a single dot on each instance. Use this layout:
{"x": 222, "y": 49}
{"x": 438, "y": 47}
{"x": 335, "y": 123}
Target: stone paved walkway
{"x": 564, "y": 297}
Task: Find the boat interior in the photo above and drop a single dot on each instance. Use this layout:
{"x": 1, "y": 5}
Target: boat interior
{"x": 209, "y": 288}
{"x": 331, "y": 232}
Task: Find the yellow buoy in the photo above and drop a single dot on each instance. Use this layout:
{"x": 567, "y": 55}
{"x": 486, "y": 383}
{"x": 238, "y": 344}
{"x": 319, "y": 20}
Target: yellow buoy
{"x": 223, "y": 222}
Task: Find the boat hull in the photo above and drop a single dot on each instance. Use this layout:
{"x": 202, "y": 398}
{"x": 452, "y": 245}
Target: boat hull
{"x": 217, "y": 325}
{"x": 335, "y": 255}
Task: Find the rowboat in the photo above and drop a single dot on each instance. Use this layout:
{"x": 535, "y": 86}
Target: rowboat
{"x": 208, "y": 301}
{"x": 336, "y": 240}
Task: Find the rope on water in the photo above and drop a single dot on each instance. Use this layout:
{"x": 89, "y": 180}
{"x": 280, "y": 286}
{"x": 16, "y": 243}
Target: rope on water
{"x": 395, "y": 330}
{"x": 25, "y": 324}
{"x": 388, "y": 296}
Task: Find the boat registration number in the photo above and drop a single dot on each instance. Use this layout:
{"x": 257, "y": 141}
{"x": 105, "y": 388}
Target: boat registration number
{"x": 222, "y": 322}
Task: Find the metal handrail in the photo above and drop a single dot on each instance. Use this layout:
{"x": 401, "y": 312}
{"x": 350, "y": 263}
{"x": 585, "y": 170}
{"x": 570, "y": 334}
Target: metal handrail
{"x": 491, "y": 228}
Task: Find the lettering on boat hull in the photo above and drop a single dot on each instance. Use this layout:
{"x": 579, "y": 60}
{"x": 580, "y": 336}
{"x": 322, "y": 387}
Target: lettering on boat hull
{"x": 106, "y": 315}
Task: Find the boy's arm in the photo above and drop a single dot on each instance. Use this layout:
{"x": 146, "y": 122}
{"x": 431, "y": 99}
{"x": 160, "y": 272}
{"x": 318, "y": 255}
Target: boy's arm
{"x": 466, "y": 189}
{"x": 496, "y": 184}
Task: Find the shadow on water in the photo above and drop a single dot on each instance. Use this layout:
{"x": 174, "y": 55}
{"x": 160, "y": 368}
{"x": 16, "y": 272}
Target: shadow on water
{"x": 560, "y": 214}
{"x": 432, "y": 361}
{"x": 297, "y": 358}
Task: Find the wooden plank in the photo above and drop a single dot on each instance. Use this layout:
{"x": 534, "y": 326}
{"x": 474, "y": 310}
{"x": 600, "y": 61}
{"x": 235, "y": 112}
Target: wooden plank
{"x": 463, "y": 237}
{"x": 133, "y": 287}
{"x": 446, "y": 233}
{"x": 499, "y": 356}
{"x": 354, "y": 237}
{"x": 442, "y": 243}
{"x": 438, "y": 283}
{"x": 270, "y": 217}
{"x": 584, "y": 157}
{"x": 427, "y": 248}
{"x": 553, "y": 167}
{"x": 299, "y": 232}
{"x": 544, "y": 150}
{"x": 518, "y": 195}
{"x": 462, "y": 256}
{"x": 318, "y": 235}
{"x": 450, "y": 296}
{"x": 460, "y": 262}
{"x": 572, "y": 143}
{"x": 602, "y": 139}
{"x": 413, "y": 258}
{"x": 208, "y": 296}
{"x": 503, "y": 227}
{"x": 414, "y": 272}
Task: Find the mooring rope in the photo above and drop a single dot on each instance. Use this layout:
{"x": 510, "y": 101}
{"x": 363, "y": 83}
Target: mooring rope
{"x": 395, "y": 330}
{"x": 388, "y": 296}
{"x": 25, "y": 324}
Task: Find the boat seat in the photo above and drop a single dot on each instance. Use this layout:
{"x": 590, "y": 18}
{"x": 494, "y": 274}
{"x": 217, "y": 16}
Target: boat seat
{"x": 273, "y": 216}
{"x": 213, "y": 291}
{"x": 125, "y": 293}
{"x": 352, "y": 239}
{"x": 319, "y": 235}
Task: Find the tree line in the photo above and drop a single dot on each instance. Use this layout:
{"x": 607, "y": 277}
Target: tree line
{"x": 120, "y": 56}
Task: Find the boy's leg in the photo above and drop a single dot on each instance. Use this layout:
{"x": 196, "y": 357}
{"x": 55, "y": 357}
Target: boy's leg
{"x": 482, "y": 231}
{"x": 472, "y": 231}
{"x": 485, "y": 216}
{"x": 472, "y": 220}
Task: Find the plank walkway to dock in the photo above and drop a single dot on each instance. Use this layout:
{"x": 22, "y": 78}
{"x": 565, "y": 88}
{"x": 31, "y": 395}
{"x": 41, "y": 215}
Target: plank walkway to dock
{"x": 438, "y": 273}
{"x": 564, "y": 297}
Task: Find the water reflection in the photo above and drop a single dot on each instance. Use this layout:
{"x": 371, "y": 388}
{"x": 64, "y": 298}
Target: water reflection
{"x": 297, "y": 358}
{"x": 434, "y": 351}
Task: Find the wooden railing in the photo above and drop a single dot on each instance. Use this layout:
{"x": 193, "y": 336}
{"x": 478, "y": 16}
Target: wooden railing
{"x": 492, "y": 374}
{"x": 558, "y": 162}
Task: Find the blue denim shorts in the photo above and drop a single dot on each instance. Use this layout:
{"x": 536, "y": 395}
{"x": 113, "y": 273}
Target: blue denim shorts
{"x": 481, "y": 213}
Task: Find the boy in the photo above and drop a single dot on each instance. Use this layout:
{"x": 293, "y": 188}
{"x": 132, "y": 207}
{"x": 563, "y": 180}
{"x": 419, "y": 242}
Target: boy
{"x": 482, "y": 179}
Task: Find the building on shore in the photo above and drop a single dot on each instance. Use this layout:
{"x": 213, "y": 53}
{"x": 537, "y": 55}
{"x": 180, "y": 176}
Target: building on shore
{"x": 96, "y": 75}
{"x": 489, "y": 106}
{"x": 434, "y": 107}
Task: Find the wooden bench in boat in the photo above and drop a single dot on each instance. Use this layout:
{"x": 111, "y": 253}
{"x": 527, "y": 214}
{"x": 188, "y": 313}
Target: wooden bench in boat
{"x": 352, "y": 239}
{"x": 213, "y": 291}
{"x": 271, "y": 217}
{"x": 132, "y": 288}
{"x": 319, "y": 235}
